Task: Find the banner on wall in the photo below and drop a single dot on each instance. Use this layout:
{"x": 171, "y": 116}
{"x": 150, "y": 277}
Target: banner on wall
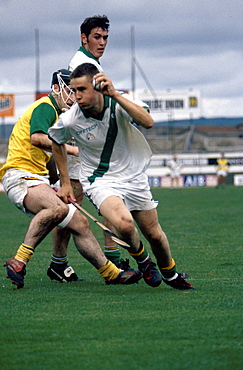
{"x": 172, "y": 105}
{"x": 238, "y": 180}
{"x": 187, "y": 181}
{"x": 6, "y": 105}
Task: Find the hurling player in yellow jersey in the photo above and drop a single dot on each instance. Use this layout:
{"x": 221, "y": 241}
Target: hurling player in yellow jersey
{"x": 26, "y": 183}
{"x": 222, "y": 170}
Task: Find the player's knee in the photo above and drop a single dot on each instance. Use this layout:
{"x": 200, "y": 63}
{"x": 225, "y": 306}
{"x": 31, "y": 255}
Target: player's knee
{"x": 126, "y": 226}
{"x": 58, "y": 212}
{"x": 78, "y": 222}
{"x": 68, "y": 215}
{"x": 155, "y": 235}
{"x": 80, "y": 219}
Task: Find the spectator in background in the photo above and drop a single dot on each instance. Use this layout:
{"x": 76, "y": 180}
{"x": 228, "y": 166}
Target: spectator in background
{"x": 222, "y": 171}
{"x": 175, "y": 172}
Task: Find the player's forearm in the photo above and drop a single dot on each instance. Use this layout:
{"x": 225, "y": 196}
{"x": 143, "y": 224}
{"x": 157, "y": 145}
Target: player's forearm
{"x": 43, "y": 142}
{"x": 60, "y": 156}
{"x": 73, "y": 150}
{"x": 138, "y": 114}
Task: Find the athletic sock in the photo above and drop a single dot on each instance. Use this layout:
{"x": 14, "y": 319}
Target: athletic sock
{"x": 109, "y": 270}
{"x": 24, "y": 253}
{"x": 141, "y": 255}
{"x": 169, "y": 272}
{"x": 113, "y": 254}
{"x": 59, "y": 261}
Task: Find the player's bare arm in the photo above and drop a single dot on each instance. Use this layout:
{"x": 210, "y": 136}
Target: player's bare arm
{"x": 139, "y": 114}
{"x": 43, "y": 142}
{"x": 60, "y": 155}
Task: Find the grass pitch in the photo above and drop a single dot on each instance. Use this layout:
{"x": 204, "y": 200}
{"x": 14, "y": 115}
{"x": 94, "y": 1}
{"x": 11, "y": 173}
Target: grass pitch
{"x": 88, "y": 325}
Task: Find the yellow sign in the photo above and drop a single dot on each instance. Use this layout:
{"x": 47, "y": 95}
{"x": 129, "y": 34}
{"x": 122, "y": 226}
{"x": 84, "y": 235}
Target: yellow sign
{"x": 6, "y": 105}
{"x": 193, "y": 101}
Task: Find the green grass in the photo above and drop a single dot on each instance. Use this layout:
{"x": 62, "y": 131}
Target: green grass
{"x": 88, "y": 325}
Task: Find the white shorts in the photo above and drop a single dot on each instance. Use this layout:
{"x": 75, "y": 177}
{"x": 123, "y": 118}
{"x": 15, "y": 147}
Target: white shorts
{"x": 135, "y": 198}
{"x": 73, "y": 163}
{"x": 16, "y": 184}
{"x": 73, "y": 167}
{"x": 174, "y": 174}
{"x": 222, "y": 173}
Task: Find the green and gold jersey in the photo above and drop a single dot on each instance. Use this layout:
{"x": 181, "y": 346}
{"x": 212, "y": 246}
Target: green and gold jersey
{"x": 222, "y": 164}
{"x": 22, "y": 154}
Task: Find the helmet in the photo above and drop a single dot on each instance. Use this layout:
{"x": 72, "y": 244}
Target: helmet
{"x": 61, "y": 74}
{"x": 64, "y": 94}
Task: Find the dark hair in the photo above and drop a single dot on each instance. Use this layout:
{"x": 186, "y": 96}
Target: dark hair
{"x": 85, "y": 69}
{"x": 92, "y": 22}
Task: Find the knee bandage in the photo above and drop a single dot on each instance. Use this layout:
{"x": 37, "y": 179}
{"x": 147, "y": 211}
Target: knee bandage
{"x": 69, "y": 216}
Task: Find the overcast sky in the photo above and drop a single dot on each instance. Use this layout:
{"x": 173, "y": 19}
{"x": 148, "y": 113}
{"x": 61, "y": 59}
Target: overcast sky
{"x": 180, "y": 44}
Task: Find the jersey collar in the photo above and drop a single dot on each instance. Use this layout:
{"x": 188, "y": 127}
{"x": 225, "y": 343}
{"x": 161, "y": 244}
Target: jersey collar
{"x": 86, "y": 114}
{"x": 86, "y": 52}
{"x": 55, "y": 104}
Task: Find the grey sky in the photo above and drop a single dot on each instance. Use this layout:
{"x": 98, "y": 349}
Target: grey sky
{"x": 180, "y": 44}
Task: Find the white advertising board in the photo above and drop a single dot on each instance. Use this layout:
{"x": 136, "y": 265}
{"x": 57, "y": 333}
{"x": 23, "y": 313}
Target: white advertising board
{"x": 172, "y": 105}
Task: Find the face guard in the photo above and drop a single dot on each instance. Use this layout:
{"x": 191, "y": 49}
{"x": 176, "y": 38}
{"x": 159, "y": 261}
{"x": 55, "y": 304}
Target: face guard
{"x": 65, "y": 93}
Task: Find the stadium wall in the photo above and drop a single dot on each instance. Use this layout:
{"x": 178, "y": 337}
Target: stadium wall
{"x": 197, "y": 169}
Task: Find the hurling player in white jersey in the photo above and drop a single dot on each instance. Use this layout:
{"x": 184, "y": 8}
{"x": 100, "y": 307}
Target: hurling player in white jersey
{"x": 94, "y": 38}
{"x": 114, "y": 159}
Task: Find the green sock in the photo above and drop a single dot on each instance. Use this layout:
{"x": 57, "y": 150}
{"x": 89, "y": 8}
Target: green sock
{"x": 113, "y": 254}
{"x": 169, "y": 271}
{"x": 141, "y": 255}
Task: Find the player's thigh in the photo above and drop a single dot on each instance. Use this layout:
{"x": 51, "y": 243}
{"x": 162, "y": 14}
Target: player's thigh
{"x": 41, "y": 197}
{"x": 115, "y": 211}
{"x": 78, "y": 191}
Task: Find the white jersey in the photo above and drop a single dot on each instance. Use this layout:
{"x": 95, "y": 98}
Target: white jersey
{"x": 111, "y": 149}
{"x": 83, "y": 56}
{"x": 175, "y": 168}
{"x": 174, "y": 165}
